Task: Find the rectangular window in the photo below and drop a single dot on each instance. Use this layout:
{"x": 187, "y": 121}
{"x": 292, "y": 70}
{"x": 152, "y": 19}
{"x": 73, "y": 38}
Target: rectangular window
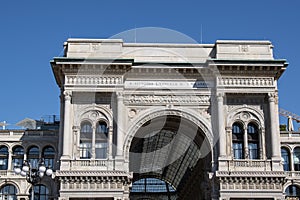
{"x": 238, "y": 152}
{"x": 253, "y": 151}
{"x": 101, "y": 150}
{"x": 85, "y": 150}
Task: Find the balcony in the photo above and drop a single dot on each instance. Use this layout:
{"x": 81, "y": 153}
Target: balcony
{"x": 290, "y": 136}
{"x": 292, "y": 175}
{"x": 89, "y": 164}
{"x": 249, "y": 165}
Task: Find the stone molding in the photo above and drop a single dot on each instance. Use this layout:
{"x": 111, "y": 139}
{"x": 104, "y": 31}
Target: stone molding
{"x": 93, "y": 113}
{"x": 167, "y": 99}
{"x": 245, "y": 114}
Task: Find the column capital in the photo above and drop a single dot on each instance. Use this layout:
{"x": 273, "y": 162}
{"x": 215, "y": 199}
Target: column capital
{"x": 68, "y": 95}
{"x": 120, "y": 94}
{"x": 272, "y": 96}
{"x": 76, "y": 128}
{"x": 220, "y": 96}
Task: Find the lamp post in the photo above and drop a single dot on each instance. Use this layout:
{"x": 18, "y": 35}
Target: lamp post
{"x": 33, "y": 174}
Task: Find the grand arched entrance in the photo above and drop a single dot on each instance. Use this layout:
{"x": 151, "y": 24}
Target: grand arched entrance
{"x": 170, "y": 158}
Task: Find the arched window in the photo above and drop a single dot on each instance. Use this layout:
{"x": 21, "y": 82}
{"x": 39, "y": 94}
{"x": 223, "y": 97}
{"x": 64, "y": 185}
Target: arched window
{"x": 18, "y": 156}
{"x": 3, "y": 157}
{"x": 8, "y": 192}
{"x": 48, "y": 155}
{"x": 297, "y": 159}
{"x": 101, "y": 140}
{"x": 151, "y": 185}
{"x": 253, "y": 141}
{"x": 41, "y": 192}
{"x": 285, "y": 157}
{"x": 86, "y": 135}
{"x": 33, "y": 156}
{"x": 292, "y": 191}
{"x": 237, "y": 141}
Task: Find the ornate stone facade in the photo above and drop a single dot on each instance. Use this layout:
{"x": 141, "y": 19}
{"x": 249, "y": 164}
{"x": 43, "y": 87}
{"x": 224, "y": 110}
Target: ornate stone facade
{"x": 202, "y": 120}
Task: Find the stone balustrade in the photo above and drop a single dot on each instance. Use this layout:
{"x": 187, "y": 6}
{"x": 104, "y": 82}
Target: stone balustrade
{"x": 89, "y": 164}
{"x": 249, "y": 165}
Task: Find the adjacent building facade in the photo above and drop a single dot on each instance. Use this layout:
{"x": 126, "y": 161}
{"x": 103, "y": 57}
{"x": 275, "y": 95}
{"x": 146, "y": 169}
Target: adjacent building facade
{"x": 162, "y": 121}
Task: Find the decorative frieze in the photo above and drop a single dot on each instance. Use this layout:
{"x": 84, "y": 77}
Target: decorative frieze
{"x": 246, "y": 82}
{"x": 94, "y": 180}
{"x": 251, "y": 183}
{"x": 163, "y": 84}
{"x": 93, "y": 80}
{"x": 167, "y": 99}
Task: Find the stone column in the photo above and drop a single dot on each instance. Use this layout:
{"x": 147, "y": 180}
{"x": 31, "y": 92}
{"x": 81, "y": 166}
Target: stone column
{"x": 76, "y": 140}
{"x": 262, "y": 145}
{"x": 94, "y": 142}
{"x": 110, "y": 143}
{"x": 221, "y": 127}
{"x": 67, "y": 127}
{"x": 292, "y": 167}
{"x": 246, "y": 149}
{"x": 61, "y": 124}
{"x": 10, "y": 165}
{"x": 274, "y": 128}
{"x": 120, "y": 123}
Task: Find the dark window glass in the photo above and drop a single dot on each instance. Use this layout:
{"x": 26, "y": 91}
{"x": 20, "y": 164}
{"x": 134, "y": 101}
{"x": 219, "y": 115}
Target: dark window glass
{"x": 237, "y": 141}
{"x": 33, "y": 156}
{"x": 8, "y": 192}
{"x": 297, "y": 159}
{"x": 292, "y": 191}
{"x": 18, "y": 156}
{"x": 48, "y": 155}
{"x": 86, "y": 134}
{"x": 151, "y": 185}
{"x": 253, "y": 141}
{"x": 3, "y": 158}
{"x": 101, "y": 140}
{"x": 285, "y": 156}
{"x": 41, "y": 192}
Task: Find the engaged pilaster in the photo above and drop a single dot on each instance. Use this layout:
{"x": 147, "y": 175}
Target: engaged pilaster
{"x": 221, "y": 127}
{"x": 274, "y": 131}
{"x": 120, "y": 124}
{"x": 67, "y": 129}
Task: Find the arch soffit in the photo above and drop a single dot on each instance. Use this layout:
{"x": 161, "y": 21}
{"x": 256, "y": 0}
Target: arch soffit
{"x": 95, "y": 113}
{"x": 187, "y": 114}
{"x": 257, "y": 118}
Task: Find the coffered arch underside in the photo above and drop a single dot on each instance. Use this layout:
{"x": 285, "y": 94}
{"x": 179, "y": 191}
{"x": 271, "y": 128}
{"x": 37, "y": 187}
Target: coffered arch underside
{"x": 150, "y": 114}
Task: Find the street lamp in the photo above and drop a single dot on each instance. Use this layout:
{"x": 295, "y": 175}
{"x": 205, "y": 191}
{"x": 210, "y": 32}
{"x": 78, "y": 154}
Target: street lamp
{"x": 33, "y": 174}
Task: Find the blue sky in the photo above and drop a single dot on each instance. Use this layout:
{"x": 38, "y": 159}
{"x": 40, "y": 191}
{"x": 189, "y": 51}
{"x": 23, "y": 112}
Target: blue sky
{"x": 33, "y": 32}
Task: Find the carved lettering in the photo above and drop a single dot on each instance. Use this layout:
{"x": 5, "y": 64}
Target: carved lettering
{"x": 161, "y": 99}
